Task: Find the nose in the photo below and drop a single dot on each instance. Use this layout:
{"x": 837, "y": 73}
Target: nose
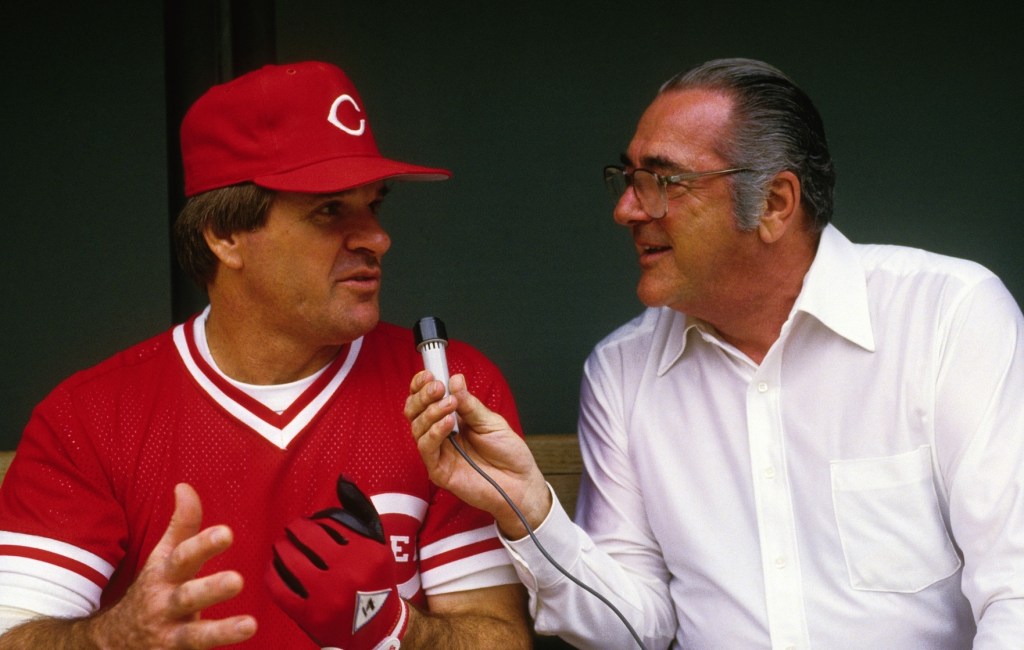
{"x": 628, "y": 211}
{"x": 369, "y": 236}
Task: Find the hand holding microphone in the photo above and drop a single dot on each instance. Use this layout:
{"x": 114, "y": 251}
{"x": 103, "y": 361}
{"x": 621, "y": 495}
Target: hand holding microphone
{"x": 520, "y": 499}
{"x": 488, "y": 461}
{"x": 431, "y": 341}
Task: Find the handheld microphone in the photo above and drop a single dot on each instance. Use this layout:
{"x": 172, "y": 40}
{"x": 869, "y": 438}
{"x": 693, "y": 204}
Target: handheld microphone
{"x": 431, "y": 341}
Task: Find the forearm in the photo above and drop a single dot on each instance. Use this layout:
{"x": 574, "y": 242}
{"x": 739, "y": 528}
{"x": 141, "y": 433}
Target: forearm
{"x": 467, "y": 631}
{"x": 562, "y": 607}
{"x": 51, "y": 633}
{"x": 490, "y": 617}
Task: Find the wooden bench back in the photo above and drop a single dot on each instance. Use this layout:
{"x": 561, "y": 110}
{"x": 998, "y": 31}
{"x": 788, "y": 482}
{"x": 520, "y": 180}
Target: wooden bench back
{"x": 5, "y": 460}
{"x": 557, "y": 454}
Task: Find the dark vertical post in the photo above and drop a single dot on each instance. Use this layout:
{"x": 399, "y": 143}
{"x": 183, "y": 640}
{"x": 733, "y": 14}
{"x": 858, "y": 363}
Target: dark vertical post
{"x": 253, "y": 35}
{"x": 206, "y": 43}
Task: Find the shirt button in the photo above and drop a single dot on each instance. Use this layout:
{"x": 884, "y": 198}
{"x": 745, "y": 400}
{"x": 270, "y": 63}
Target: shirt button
{"x": 769, "y": 472}
{"x": 780, "y": 562}
{"x": 762, "y": 387}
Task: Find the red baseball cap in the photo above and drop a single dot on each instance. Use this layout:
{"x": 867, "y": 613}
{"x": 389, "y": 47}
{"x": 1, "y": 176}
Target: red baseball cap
{"x": 294, "y": 128}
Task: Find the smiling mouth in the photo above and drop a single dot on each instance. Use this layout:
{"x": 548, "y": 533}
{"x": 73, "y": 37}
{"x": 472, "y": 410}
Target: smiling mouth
{"x": 649, "y": 255}
{"x": 648, "y": 252}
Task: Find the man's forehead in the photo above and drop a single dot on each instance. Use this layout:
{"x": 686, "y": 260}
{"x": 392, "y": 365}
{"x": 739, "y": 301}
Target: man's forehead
{"x": 680, "y": 129}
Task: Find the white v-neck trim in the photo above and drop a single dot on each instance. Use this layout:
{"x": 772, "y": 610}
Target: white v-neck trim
{"x": 280, "y": 430}
{"x": 276, "y": 397}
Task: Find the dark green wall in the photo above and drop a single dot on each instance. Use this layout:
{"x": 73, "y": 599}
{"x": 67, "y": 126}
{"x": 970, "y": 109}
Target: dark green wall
{"x": 84, "y": 258}
{"x": 517, "y": 253}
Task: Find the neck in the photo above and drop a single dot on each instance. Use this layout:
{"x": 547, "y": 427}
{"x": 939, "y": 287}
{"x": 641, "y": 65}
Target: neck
{"x": 257, "y": 355}
{"x": 751, "y": 319}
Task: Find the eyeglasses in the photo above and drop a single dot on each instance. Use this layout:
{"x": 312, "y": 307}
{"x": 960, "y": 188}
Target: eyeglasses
{"x": 649, "y": 187}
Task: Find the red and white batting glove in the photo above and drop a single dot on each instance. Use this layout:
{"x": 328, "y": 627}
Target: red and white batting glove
{"x": 334, "y": 574}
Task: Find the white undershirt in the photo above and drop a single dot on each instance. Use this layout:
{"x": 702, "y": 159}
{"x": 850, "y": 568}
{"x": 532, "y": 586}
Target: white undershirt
{"x": 276, "y": 397}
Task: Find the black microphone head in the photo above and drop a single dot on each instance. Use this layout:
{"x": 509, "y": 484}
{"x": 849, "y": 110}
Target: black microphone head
{"x": 429, "y": 328}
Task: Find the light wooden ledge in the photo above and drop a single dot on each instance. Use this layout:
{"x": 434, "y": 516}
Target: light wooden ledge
{"x": 5, "y": 460}
{"x": 557, "y": 454}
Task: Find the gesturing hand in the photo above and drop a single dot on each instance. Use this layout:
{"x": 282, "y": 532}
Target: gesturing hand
{"x": 161, "y": 608}
{"x": 334, "y": 574}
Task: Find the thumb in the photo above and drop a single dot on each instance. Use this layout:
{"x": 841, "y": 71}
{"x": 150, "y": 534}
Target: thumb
{"x": 185, "y": 521}
{"x": 472, "y": 411}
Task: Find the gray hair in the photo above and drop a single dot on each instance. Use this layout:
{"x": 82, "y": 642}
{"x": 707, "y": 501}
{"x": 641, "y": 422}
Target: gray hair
{"x": 775, "y": 127}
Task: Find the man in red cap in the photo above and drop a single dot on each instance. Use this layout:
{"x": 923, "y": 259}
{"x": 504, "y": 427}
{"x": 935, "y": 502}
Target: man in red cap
{"x": 267, "y": 430}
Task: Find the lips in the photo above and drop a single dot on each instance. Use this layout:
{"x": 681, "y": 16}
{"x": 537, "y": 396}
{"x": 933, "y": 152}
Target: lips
{"x": 648, "y": 249}
{"x": 363, "y": 276}
{"x": 650, "y": 252}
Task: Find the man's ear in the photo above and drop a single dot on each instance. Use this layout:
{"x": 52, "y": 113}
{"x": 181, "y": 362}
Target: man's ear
{"x": 781, "y": 207}
{"x": 225, "y": 247}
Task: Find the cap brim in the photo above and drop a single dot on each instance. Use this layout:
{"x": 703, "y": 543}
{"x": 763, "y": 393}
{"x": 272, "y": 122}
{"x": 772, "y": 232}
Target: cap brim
{"x": 340, "y": 174}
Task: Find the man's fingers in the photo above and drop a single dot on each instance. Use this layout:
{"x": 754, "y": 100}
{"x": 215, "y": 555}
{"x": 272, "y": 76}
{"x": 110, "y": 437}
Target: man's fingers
{"x": 196, "y": 595}
{"x": 187, "y": 516}
{"x": 472, "y": 411}
{"x": 457, "y": 383}
{"x": 423, "y": 391}
{"x": 202, "y": 634}
{"x": 419, "y": 380}
{"x": 189, "y": 556}
{"x": 426, "y": 407}
{"x": 184, "y": 524}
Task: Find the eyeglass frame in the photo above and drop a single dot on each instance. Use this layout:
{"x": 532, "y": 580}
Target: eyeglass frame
{"x": 663, "y": 182}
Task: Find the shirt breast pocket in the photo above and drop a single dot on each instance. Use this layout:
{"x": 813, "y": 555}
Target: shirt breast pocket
{"x": 890, "y": 524}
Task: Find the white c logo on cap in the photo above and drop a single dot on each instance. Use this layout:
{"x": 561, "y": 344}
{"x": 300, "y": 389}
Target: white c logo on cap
{"x": 333, "y": 117}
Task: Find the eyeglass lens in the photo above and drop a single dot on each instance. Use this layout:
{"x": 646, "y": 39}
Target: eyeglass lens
{"x": 645, "y": 184}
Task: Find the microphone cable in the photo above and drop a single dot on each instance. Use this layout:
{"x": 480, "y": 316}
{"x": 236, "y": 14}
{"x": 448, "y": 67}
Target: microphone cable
{"x": 431, "y": 339}
{"x": 540, "y": 547}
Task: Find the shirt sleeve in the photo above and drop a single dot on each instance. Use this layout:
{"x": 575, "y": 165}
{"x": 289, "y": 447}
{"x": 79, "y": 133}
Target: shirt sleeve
{"x": 612, "y": 550}
{"x": 980, "y": 434}
{"x": 59, "y": 535}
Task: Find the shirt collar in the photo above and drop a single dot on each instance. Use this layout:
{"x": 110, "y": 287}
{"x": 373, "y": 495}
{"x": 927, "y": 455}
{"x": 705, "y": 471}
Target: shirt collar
{"x": 834, "y": 292}
{"x": 671, "y": 332}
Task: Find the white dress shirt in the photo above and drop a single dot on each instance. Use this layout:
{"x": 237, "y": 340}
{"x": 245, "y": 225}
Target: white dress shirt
{"x": 862, "y": 487}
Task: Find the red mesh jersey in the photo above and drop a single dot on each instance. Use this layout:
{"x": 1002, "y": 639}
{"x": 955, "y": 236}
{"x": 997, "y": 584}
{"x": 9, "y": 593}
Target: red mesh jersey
{"x": 91, "y": 489}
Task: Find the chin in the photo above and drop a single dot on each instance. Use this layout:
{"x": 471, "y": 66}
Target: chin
{"x": 650, "y": 296}
{"x": 365, "y": 324}
{"x": 353, "y": 323}
{"x": 662, "y": 292}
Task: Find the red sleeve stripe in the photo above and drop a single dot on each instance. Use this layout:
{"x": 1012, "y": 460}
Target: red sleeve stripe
{"x": 459, "y": 553}
{"x": 56, "y": 559}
